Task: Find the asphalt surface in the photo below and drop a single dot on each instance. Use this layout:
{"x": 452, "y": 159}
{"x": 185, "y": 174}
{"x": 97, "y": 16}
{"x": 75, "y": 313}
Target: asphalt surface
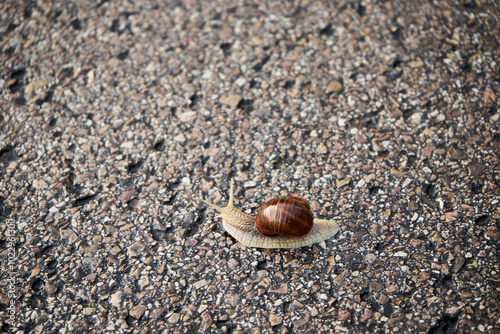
{"x": 116, "y": 116}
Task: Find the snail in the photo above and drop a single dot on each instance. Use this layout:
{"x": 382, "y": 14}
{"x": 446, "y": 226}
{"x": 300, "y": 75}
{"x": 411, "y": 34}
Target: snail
{"x": 280, "y": 223}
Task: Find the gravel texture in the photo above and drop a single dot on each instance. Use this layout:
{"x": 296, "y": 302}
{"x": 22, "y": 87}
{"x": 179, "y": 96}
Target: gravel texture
{"x": 117, "y": 115}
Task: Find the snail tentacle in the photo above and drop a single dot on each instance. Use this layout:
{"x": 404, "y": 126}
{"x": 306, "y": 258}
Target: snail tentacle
{"x": 219, "y": 208}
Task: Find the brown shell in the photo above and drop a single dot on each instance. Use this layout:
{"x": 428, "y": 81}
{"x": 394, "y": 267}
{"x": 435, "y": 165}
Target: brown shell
{"x": 287, "y": 216}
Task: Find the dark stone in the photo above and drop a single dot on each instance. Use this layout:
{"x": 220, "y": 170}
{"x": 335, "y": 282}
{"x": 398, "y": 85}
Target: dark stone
{"x": 195, "y": 98}
{"x": 459, "y": 263}
{"x": 326, "y": 30}
{"x": 37, "y": 285}
{"x": 375, "y": 305}
{"x": 8, "y": 155}
{"x": 476, "y": 187}
{"x": 135, "y": 167}
{"x": 457, "y": 154}
{"x": 76, "y": 24}
{"x": 19, "y": 100}
{"x": 123, "y": 55}
{"x": 133, "y": 203}
{"x": 446, "y": 325}
{"x": 158, "y": 235}
{"x": 289, "y": 84}
{"x": 159, "y": 145}
{"x": 482, "y": 220}
{"x": 361, "y": 10}
{"x": 46, "y": 97}
{"x": 170, "y": 200}
{"x": 225, "y": 47}
{"x": 51, "y": 265}
{"x": 131, "y": 321}
{"x": 5, "y": 209}
{"x": 388, "y": 310}
{"x": 430, "y": 190}
{"x": 84, "y": 200}
{"x": 375, "y": 286}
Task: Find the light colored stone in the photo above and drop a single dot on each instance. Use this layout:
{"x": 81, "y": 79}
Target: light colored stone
{"x": 334, "y": 86}
{"x": 174, "y": 318}
{"x": 275, "y": 319}
{"x": 187, "y": 116}
{"x": 416, "y": 63}
{"x": 89, "y": 310}
{"x": 232, "y": 100}
{"x": 301, "y": 322}
{"x": 128, "y": 144}
{"x": 206, "y": 322}
{"x": 86, "y": 176}
{"x": 343, "y": 183}
{"x": 200, "y": 283}
{"x": 92, "y": 262}
{"x": 69, "y": 235}
{"x": 35, "y": 271}
{"x": 116, "y": 298}
{"x": 280, "y": 288}
{"x": 39, "y": 184}
{"x": 257, "y": 40}
{"x": 34, "y": 85}
{"x": 344, "y": 315}
{"x": 322, "y": 149}
{"x": 232, "y": 299}
{"x": 340, "y": 278}
{"x": 416, "y": 118}
{"x": 157, "y": 312}
{"x": 137, "y": 311}
{"x": 451, "y": 216}
{"x": 180, "y": 138}
{"x": 136, "y": 249}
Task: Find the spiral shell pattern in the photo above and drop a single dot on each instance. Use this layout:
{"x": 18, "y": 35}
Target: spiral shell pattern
{"x": 284, "y": 216}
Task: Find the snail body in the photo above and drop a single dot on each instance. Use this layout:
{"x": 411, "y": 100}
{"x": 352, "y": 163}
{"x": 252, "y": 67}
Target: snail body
{"x": 280, "y": 223}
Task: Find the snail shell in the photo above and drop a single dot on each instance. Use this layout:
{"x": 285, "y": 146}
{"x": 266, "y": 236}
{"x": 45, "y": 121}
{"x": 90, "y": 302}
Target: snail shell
{"x": 288, "y": 216}
{"x": 243, "y": 227}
